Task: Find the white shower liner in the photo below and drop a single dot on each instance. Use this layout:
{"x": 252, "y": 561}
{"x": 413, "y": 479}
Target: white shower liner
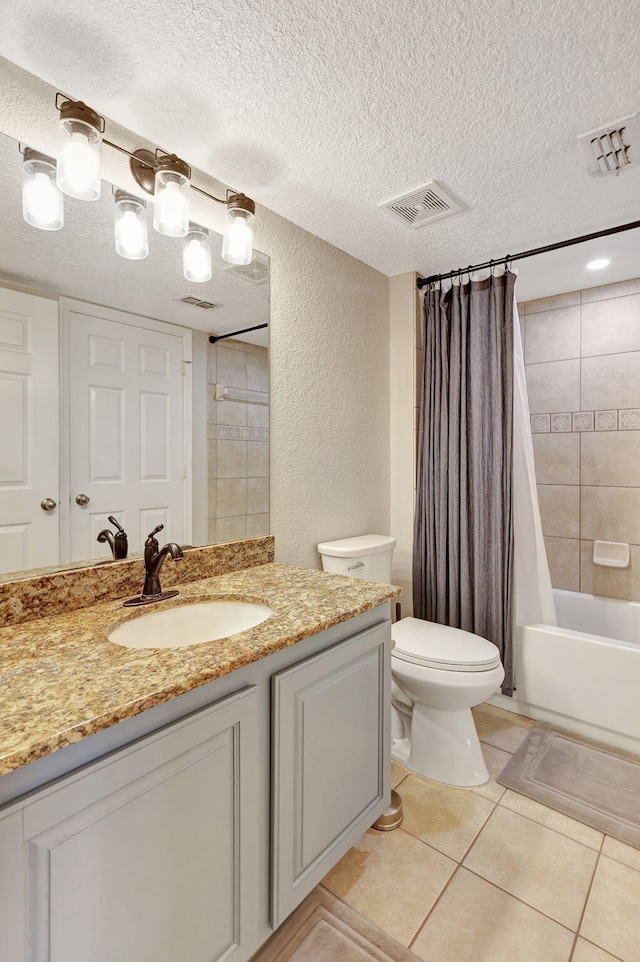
{"x": 585, "y": 681}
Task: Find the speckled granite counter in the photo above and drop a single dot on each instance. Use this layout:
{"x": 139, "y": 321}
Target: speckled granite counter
{"x": 62, "y": 679}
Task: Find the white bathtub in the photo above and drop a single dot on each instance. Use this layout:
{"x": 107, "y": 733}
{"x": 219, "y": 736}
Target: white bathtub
{"x": 583, "y": 675}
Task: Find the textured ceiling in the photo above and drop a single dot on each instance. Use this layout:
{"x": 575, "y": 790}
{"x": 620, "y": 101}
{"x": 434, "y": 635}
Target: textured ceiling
{"x": 322, "y": 110}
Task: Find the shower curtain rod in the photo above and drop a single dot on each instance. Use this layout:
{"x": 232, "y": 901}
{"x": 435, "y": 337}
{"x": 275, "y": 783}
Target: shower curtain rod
{"x": 424, "y": 281}
{"x": 213, "y": 338}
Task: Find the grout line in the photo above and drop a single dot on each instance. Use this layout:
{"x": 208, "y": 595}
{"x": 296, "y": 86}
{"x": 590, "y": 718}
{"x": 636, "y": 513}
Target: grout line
{"x": 431, "y": 910}
{"x": 584, "y": 907}
{"x": 590, "y": 848}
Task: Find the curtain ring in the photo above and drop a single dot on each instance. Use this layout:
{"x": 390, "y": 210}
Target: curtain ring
{"x": 492, "y": 267}
{"x": 506, "y": 263}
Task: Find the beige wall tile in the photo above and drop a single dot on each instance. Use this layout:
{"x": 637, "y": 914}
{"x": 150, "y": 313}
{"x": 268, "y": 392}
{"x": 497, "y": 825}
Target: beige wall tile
{"x": 446, "y": 818}
{"x": 560, "y": 510}
{"x": 557, "y": 458}
{"x": 257, "y": 459}
{"x": 623, "y": 583}
{"x": 392, "y": 879}
{"x": 552, "y": 303}
{"x": 232, "y": 367}
{"x": 257, "y": 372}
{"x": 476, "y": 922}
{"x": 231, "y": 529}
{"x": 563, "y": 556}
{"x": 256, "y": 349}
{"x": 553, "y": 335}
{"x": 621, "y": 852}
{"x": 586, "y": 952}
{"x": 608, "y": 291}
{"x": 211, "y": 531}
{"x": 211, "y": 364}
{"x": 611, "y": 381}
{"x": 611, "y": 327}
{"x": 610, "y": 514}
{"x": 258, "y": 415}
{"x": 257, "y": 495}
{"x": 502, "y": 729}
{"x": 257, "y": 525}
{"x": 554, "y": 386}
{"x": 611, "y": 459}
{"x": 233, "y": 344}
{"x": 554, "y": 820}
{"x": 211, "y": 461}
{"x": 611, "y": 918}
{"x": 232, "y": 459}
{"x": 231, "y": 412}
{"x": 231, "y": 497}
{"x": 546, "y": 870}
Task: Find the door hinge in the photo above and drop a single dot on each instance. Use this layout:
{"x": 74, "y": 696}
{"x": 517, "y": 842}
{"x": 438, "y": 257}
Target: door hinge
{"x": 183, "y": 473}
{"x": 184, "y": 367}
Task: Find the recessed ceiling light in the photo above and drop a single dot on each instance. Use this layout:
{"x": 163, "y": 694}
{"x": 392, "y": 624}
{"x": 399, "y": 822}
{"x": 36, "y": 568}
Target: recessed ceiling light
{"x": 598, "y": 264}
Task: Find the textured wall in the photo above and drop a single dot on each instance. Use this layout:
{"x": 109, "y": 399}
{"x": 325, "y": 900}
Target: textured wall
{"x": 329, "y": 354}
{"x": 582, "y": 355}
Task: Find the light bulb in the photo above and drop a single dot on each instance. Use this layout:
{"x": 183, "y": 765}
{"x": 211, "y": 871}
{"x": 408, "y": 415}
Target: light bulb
{"x": 171, "y": 196}
{"x": 196, "y": 255}
{"x": 598, "y": 264}
{"x": 237, "y": 243}
{"x": 42, "y": 202}
{"x": 79, "y": 149}
{"x": 130, "y": 226}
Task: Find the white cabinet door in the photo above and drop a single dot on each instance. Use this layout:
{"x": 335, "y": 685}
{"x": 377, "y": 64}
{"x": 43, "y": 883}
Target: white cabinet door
{"x": 331, "y": 747}
{"x": 28, "y": 431}
{"x": 148, "y": 854}
{"x": 129, "y": 409}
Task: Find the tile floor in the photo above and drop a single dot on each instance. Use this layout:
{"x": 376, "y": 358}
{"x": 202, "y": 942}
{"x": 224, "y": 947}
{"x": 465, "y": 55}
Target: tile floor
{"x": 487, "y": 875}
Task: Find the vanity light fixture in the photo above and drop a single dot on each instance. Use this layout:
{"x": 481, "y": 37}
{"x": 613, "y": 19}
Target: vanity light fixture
{"x": 598, "y": 263}
{"x": 130, "y": 226}
{"x": 196, "y": 254}
{"x": 80, "y": 131}
{"x": 42, "y": 202}
{"x": 165, "y": 176}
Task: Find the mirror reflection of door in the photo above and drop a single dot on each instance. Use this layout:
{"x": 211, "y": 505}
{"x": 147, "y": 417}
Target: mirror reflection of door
{"x": 127, "y": 387}
{"x": 29, "y": 446}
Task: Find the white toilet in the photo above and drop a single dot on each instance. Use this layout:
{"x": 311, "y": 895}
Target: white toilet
{"x": 438, "y": 675}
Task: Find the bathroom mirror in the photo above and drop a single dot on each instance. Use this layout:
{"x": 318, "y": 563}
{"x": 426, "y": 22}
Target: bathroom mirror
{"x": 156, "y": 424}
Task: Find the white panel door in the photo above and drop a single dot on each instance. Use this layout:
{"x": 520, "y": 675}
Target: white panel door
{"x": 128, "y": 407}
{"x": 29, "y": 433}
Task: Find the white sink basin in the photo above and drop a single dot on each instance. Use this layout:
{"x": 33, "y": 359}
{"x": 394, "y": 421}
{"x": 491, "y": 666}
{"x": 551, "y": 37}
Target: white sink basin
{"x": 190, "y": 624}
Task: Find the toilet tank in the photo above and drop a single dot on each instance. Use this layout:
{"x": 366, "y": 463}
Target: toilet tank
{"x": 367, "y": 556}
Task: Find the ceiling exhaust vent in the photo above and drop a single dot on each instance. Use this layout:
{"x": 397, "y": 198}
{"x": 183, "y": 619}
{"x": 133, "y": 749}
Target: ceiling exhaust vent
{"x": 257, "y": 272}
{"x": 196, "y": 302}
{"x": 612, "y": 148}
{"x": 424, "y": 205}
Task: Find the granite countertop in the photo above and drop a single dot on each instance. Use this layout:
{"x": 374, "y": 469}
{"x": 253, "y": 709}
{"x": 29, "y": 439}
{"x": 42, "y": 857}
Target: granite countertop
{"x": 62, "y": 679}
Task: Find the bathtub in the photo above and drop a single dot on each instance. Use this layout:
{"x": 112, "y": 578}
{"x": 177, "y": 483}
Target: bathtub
{"x": 583, "y": 675}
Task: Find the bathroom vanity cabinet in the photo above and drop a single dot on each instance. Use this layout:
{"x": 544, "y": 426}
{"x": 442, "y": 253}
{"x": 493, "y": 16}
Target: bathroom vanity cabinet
{"x": 214, "y": 816}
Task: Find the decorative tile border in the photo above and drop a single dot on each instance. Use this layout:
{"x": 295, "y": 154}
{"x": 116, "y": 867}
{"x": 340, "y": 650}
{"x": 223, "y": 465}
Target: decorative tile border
{"x": 230, "y": 432}
{"x": 575, "y": 422}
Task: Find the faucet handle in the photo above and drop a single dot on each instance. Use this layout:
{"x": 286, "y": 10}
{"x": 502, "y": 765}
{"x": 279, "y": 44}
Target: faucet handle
{"x": 115, "y": 522}
{"x": 155, "y": 531}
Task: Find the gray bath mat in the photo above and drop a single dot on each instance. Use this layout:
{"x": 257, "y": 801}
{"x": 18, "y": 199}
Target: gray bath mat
{"x": 324, "y": 929}
{"x": 589, "y": 782}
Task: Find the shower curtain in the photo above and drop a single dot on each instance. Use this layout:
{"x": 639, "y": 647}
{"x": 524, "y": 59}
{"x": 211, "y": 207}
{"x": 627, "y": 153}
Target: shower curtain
{"x": 472, "y": 449}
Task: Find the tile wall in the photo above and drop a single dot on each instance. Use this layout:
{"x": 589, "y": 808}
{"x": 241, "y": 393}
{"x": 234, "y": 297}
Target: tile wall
{"x": 238, "y": 441}
{"x": 582, "y": 357}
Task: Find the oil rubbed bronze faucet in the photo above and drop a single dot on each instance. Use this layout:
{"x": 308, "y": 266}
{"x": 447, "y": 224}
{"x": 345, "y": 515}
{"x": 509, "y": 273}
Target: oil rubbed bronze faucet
{"x": 153, "y": 560}
{"x": 118, "y": 544}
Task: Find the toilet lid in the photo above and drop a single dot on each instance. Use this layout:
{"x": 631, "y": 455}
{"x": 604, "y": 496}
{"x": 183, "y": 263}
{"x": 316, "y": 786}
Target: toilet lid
{"x": 438, "y": 646}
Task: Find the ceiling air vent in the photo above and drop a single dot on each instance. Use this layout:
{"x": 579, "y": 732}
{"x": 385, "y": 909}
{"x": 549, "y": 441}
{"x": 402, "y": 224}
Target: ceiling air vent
{"x": 612, "y": 148}
{"x": 422, "y": 206}
{"x": 196, "y": 302}
{"x": 257, "y": 272}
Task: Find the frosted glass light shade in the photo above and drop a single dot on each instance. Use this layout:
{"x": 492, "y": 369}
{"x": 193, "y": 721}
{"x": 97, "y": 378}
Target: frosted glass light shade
{"x": 171, "y": 203}
{"x": 79, "y": 154}
{"x": 237, "y": 243}
{"x": 42, "y": 202}
{"x": 130, "y": 226}
{"x": 196, "y": 255}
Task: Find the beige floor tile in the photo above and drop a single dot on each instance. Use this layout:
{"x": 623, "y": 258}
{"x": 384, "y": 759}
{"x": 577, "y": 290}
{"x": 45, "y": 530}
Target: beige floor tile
{"x": 612, "y": 918}
{"x": 500, "y": 728}
{"x": 397, "y": 774}
{"x": 446, "y": 818}
{"x": 555, "y": 820}
{"x": 392, "y": 879}
{"x": 586, "y": 952}
{"x": 495, "y": 760}
{"x": 621, "y": 852}
{"x": 550, "y": 872}
{"x": 476, "y": 922}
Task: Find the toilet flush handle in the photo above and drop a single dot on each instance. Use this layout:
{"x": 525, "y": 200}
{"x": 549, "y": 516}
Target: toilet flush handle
{"x": 356, "y": 567}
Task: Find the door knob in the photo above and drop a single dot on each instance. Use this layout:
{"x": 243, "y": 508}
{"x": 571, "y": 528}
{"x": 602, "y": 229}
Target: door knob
{"x": 82, "y": 499}
{"x": 48, "y": 504}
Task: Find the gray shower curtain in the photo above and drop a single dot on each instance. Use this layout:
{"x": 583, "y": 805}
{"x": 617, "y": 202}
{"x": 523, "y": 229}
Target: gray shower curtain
{"x": 463, "y": 555}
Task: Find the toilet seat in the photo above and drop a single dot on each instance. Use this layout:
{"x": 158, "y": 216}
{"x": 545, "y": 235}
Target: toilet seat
{"x": 439, "y": 646}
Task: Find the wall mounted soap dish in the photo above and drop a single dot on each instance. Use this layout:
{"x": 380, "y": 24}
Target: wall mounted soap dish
{"x": 612, "y": 554}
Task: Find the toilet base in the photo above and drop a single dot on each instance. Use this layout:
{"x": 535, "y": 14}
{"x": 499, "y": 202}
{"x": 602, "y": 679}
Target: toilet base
{"x": 444, "y": 746}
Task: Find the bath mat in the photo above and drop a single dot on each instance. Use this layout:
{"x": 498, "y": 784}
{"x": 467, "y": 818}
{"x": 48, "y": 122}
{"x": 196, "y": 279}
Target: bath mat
{"x": 589, "y": 782}
{"x": 324, "y": 929}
